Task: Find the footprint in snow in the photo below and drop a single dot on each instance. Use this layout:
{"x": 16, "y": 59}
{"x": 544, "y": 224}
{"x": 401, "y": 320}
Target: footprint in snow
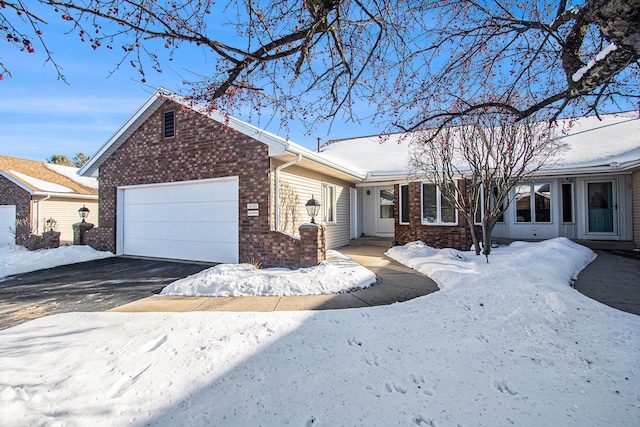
{"x": 152, "y": 345}
{"x": 353, "y": 341}
{"x": 419, "y": 381}
{"x": 391, "y": 387}
{"x": 482, "y": 338}
{"x": 373, "y": 360}
{"x": 504, "y": 387}
{"x": 422, "y": 421}
{"x": 124, "y": 383}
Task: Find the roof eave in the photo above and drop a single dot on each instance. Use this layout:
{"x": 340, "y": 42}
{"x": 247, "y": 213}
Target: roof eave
{"x": 66, "y": 195}
{"x": 17, "y": 182}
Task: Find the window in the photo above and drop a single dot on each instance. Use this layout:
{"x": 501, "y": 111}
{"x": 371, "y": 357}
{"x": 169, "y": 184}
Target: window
{"x": 386, "y": 203}
{"x": 329, "y": 203}
{"x": 169, "y": 124}
{"x": 480, "y": 207}
{"x": 567, "y": 202}
{"x": 533, "y": 203}
{"x": 435, "y": 208}
{"x": 493, "y": 203}
{"x": 404, "y": 204}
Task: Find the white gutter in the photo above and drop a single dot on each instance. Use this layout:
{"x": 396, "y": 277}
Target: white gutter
{"x": 277, "y": 189}
{"x": 67, "y": 195}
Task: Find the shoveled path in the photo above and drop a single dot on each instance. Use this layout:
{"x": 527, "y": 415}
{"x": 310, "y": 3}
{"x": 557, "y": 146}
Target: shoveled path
{"x": 613, "y": 278}
{"x": 396, "y": 283}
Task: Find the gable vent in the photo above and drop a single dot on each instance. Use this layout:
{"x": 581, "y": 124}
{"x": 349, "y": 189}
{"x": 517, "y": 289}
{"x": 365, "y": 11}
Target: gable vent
{"x": 169, "y": 124}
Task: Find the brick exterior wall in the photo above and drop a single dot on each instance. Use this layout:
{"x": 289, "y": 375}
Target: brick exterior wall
{"x": 438, "y": 236}
{"x": 11, "y": 194}
{"x": 201, "y": 149}
{"x": 635, "y": 185}
{"x": 313, "y": 245}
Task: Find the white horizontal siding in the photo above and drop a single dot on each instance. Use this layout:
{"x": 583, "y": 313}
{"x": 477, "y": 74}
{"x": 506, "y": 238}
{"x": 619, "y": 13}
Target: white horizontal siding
{"x": 297, "y": 186}
{"x": 65, "y": 212}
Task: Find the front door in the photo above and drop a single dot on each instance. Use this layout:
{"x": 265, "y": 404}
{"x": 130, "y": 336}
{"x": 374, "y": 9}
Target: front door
{"x": 385, "y": 221}
{"x": 601, "y": 207}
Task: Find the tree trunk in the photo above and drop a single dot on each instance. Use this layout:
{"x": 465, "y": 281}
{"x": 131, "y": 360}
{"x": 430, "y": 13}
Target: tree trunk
{"x": 474, "y": 236}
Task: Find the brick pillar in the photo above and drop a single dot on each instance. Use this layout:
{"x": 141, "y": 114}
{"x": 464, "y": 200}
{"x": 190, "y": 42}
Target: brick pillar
{"x": 313, "y": 245}
{"x": 79, "y": 228}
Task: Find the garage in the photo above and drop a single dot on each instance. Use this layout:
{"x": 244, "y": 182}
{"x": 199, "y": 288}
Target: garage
{"x": 190, "y": 220}
{"x": 7, "y": 224}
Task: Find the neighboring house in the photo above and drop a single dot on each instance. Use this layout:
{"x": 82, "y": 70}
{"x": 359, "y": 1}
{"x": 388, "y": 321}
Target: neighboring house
{"x": 181, "y": 181}
{"x": 33, "y": 192}
{"x": 591, "y": 193}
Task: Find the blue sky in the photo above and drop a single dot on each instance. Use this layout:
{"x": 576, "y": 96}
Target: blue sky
{"x": 41, "y": 115}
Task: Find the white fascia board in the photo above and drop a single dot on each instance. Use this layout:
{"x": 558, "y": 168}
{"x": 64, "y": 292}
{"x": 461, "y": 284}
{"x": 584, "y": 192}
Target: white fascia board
{"x": 16, "y": 182}
{"x": 590, "y": 170}
{"x": 630, "y": 165}
{"x": 127, "y": 129}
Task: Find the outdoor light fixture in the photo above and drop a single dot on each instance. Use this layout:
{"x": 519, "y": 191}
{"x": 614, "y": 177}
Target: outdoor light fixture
{"x": 313, "y": 208}
{"x": 83, "y": 212}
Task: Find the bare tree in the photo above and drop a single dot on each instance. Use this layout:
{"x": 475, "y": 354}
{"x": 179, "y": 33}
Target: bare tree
{"x": 422, "y": 64}
{"x": 491, "y": 154}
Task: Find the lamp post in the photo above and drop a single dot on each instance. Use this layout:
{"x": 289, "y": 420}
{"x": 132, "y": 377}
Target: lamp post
{"x": 83, "y": 212}
{"x": 313, "y": 208}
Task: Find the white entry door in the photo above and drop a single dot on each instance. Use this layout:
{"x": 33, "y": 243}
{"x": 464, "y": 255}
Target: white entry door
{"x": 193, "y": 220}
{"x": 7, "y": 224}
{"x": 385, "y": 212}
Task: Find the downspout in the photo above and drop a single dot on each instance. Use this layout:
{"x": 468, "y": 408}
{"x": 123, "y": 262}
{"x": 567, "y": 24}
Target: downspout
{"x": 37, "y": 203}
{"x": 277, "y": 189}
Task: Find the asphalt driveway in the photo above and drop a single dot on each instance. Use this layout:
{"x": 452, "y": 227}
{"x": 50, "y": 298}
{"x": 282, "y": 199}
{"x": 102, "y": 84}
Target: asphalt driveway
{"x": 89, "y": 286}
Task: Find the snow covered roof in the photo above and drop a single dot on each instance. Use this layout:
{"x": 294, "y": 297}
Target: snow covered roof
{"x": 39, "y": 177}
{"x": 612, "y": 143}
{"x": 279, "y": 147}
{"x": 593, "y": 142}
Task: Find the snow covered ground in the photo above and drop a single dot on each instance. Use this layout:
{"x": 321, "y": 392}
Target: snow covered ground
{"x": 509, "y": 342}
{"x": 337, "y": 274}
{"x": 15, "y": 259}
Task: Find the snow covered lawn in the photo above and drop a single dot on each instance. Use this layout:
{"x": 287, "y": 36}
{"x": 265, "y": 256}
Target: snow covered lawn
{"x": 16, "y": 259}
{"x": 509, "y": 342}
{"x": 337, "y": 274}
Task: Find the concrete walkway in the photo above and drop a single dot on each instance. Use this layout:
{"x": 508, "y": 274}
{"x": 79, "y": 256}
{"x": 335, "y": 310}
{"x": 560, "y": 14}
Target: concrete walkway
{"x": 396, "y": 283}
{"x": 613, "y": 280}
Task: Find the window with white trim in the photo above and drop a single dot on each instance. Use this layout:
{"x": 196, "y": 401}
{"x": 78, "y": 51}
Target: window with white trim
{"x": 329, "y": 203}
{"x": 436, "y": 210}
{"x": 403, "y": 198}
{"x": 533, "y": 203}
{"x": 480, "y": 208}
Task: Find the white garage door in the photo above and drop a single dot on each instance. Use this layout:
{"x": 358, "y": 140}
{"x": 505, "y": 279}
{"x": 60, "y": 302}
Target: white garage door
{"x": 193, "y": 220}
{"x": 7, "y": 224}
